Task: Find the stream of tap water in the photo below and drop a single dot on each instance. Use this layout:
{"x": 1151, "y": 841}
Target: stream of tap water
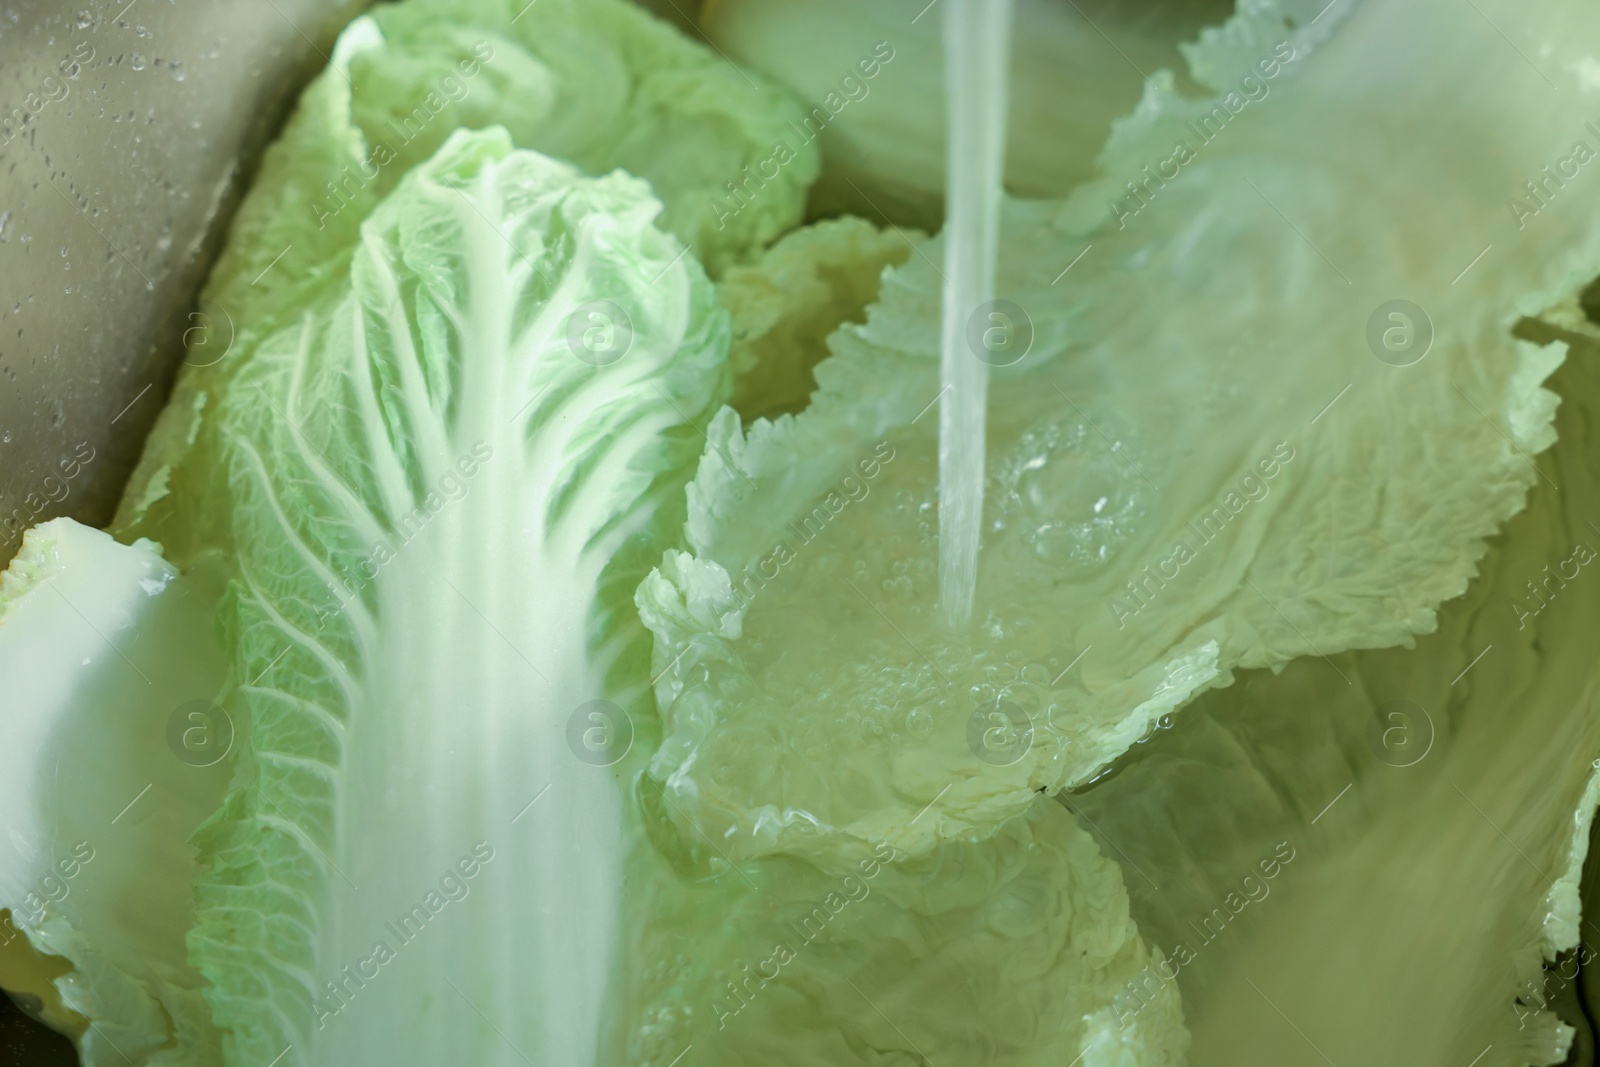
{"x": 977, "y": 37}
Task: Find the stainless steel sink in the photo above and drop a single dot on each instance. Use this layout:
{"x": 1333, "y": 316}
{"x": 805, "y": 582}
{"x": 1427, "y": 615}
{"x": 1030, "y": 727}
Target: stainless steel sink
{"x": 128, "y": 131}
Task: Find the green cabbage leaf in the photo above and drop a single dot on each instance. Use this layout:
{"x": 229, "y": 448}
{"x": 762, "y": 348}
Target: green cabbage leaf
{"x": 519, "y": 643}
{"x": 113, "y": 757}
{"x": 598, "y": 83}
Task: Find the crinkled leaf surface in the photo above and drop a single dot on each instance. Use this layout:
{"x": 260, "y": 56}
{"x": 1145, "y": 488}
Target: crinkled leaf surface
{"x": 1010, "y": 950}
{"x": 1198, "y": 465}
{"x": 784, "y": 306}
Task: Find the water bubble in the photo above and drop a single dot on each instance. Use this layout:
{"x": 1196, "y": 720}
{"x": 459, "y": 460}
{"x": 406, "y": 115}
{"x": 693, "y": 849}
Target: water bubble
{"x": 1074, "y": 498}
{"x": 919, "y": 723}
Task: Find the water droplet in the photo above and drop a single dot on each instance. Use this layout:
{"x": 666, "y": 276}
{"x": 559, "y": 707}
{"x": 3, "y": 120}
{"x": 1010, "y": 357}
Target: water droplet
{"x": 136, "y": 61}
{"x": 5, "y": 219}
{"x": 919, "y": 722}
{"x": 86, "y": 20}
{"x": 178, "y": 73}
{"x": 5, "y": 438}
